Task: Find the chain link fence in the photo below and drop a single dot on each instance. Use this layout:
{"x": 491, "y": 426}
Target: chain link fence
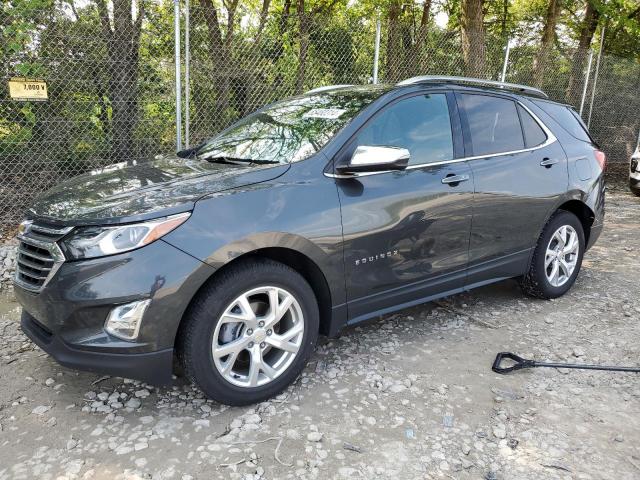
{"x": 111, "y": 82}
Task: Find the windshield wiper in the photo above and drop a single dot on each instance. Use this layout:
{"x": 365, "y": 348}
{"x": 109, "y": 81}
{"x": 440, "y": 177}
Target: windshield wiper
{"x": 190, "y": 152}
{"x": 235, "y": 160}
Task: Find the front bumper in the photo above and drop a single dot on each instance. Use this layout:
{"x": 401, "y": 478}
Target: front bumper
{"x": 66, "y": 318}
{"x": 152, "y": 367}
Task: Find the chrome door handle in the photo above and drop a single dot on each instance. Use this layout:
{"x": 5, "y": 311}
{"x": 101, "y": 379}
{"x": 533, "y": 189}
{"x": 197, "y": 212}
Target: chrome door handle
{"x": 450, "y": 179}
{"x": 549, "y": 162}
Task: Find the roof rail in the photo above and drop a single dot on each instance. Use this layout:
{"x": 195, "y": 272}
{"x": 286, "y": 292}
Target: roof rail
{"x": 327, "y": 87}
{"x": 475, "y": 81}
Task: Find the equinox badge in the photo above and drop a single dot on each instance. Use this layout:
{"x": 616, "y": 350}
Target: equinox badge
{"x": 373, "y": 258}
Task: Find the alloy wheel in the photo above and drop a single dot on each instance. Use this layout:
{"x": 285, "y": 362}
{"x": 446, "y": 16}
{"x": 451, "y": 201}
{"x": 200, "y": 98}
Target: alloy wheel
{"x": 561, "y": 256}
{"x": 258, "y": 336}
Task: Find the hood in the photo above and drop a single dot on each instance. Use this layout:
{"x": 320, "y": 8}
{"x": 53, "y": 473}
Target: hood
{"x": 124, "y": 193}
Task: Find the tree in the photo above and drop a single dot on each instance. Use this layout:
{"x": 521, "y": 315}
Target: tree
{"x": 122, "y": 41}
{"x": 420, "y": 50}
{"x": 473, "y": 37}
{"x": 588, "y": 28}
{"x": 393, "y": 40}
{"x": 220, "y": 48}
{"x": 547, "y": 41}
{"x": 304, "y": 21}
{"x": 305, "y": 16}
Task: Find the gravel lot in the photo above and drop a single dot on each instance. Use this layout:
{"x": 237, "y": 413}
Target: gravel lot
{"x": 411, "y": 395}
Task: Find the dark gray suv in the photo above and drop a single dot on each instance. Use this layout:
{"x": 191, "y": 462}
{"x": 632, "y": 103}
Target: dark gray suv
{"x": 313, "y": 213}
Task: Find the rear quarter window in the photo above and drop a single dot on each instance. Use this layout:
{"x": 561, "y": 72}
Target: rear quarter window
{"x": 567, "y": 118}
{"x": 533, "y": 133}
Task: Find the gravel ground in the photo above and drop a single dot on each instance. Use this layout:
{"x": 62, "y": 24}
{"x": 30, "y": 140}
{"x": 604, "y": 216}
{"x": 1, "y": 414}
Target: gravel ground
{"x": 411, "y": 395}
{"x": 7, "y": 264}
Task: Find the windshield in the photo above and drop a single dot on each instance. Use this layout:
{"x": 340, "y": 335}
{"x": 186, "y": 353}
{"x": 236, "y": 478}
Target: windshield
{"x": 290, "y": 130}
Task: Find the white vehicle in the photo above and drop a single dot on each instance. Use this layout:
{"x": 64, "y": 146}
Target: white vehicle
{"x": 634, "y": 172}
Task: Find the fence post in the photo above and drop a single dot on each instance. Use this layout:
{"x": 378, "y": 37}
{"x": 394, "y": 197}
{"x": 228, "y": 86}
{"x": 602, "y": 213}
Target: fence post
{"x": 586, "y": 82}
{"x": 506, "y": 60}
{"x": 595, "y": 76}
{"x": 176, "y": 28}
{"x": 187, "y": 86}
{"x": 376, "y": 53}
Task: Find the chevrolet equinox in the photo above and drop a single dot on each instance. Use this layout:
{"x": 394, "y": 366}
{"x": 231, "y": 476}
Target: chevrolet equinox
{"x": 311, "y": 214}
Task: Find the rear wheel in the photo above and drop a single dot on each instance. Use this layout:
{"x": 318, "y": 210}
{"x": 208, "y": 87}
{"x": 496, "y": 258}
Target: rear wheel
{"x": 557, "y": 258}
{"x": 249, "y": 334}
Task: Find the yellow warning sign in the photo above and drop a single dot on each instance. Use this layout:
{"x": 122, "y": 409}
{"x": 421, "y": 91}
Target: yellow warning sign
{"x": 28, "y": 89}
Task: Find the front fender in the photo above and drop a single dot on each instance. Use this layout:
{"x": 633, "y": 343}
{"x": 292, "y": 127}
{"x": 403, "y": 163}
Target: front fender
{"x": 297, "y": 211}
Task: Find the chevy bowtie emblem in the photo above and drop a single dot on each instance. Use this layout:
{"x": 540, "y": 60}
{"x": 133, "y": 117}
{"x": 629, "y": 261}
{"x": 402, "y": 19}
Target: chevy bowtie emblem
{"x": 373, "y": 258}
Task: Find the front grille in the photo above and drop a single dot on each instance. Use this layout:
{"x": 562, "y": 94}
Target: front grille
{"x": 634, "y": 164}
{"x": 38, "y": 255}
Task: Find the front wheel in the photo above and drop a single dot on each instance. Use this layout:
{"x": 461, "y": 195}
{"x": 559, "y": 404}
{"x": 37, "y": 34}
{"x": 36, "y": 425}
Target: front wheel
{"x": 557, "y": 258}
{"x": 250, "y": 332}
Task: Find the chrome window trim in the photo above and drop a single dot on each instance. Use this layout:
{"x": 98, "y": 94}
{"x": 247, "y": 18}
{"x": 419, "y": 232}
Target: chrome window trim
{"x": 551, "y": 138}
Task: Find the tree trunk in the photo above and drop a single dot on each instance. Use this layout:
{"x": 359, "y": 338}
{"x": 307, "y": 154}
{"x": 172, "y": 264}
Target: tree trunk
{"x": 587, "y": 31}
{"x": 541, "y": 60}
{"x": 122, "y": 42}
{"x": 421, "y": 52}
{"x": 264, "y": 11}
{"x": 394, "y": 39}
{"x": 503, "y": 20}
{"x": 220, "y": 49}
{"x": 304, "y": 47}
{"x": 282, "y": 29}
{"x": 473, "y": 47}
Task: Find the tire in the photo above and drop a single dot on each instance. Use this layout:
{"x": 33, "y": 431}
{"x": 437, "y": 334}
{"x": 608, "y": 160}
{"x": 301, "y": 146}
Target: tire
{"x": 255, "y": 280}
{"x": 634, "y": 189}
{"x": 536, "y": 281}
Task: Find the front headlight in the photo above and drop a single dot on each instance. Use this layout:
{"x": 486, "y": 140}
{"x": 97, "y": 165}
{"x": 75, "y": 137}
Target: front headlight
{"x": 91, "y": 242}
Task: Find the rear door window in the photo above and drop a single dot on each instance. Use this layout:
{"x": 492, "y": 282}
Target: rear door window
{"x": 533, "y": 133}
{"x": 567, "y": 118}
{"x": 494, "y": 124}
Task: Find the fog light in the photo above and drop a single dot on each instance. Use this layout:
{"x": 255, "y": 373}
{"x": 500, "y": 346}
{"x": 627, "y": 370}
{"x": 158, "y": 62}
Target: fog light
{"x": 124, "y": 321}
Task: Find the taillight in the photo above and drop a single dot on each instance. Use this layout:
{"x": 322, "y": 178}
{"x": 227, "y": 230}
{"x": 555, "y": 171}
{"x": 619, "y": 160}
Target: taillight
{"x": 601, "y": 158}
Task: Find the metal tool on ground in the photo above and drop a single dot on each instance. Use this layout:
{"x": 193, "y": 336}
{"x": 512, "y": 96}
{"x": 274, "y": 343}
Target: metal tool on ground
{"x": 519, "y": 363}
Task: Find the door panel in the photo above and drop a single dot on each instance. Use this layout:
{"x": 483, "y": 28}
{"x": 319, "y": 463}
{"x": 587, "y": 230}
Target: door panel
{"x": 514, "y": 196}
{"x": 514, "y": 193}
{"x": 406, "y": 235}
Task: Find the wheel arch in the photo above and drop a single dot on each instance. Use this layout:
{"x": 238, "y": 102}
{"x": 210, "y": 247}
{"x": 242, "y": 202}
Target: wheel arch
{"x": 311, "y": 272}
{"x": 579, "y": 209}
{"x": 584, "y": 214}
{"x": 294, "y": 259}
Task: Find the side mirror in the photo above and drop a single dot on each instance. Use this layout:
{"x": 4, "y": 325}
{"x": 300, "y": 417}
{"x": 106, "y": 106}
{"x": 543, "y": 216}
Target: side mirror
{"x": 376, "y": 159}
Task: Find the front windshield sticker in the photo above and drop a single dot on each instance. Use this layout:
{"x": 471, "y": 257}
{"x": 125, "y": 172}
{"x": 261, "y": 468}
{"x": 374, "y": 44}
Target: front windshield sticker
{"x": 326, "y": 113}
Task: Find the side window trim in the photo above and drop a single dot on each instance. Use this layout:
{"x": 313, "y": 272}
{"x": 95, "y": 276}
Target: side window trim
{"x": 551, "y": 138}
